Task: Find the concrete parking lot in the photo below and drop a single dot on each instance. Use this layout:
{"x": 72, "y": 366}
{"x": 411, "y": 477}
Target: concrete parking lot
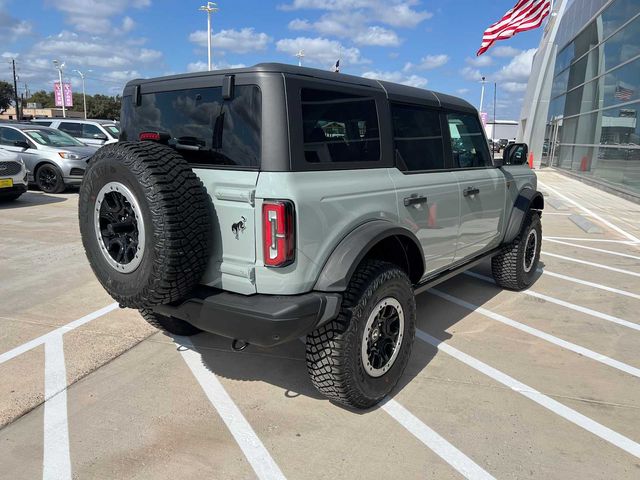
{"x": 537, "y": 384}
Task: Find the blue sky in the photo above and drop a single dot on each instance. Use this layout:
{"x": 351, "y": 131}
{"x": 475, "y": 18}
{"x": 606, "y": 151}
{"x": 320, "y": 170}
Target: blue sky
{"x": 425, "y": 43}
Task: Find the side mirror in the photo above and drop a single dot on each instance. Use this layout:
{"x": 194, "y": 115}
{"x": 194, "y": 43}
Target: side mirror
{"x": 99, "y": 136}
{"x": 515, "y": 154}
{"x": 21, "y": 144}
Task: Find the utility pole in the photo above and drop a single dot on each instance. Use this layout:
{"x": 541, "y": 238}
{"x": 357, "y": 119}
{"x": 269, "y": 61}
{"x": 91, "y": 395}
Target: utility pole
{"x": 59, "y": 66}
{"x": 84, "y": 95}
{"x": 15, "y": 90}
{"x": 300, "y": 56}
{"x": 210, "y": 8}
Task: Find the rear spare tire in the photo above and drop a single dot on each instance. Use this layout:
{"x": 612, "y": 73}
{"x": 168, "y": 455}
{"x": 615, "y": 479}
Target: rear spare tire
{"x": 145, "y": 222}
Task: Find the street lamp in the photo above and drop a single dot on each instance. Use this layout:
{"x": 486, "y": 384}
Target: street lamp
{"x": 84, "y": 96}
{"x": 210, "y": 8}
{"x": 483, "y": 81}
{"x": 60, "y": 66}
{"x": 300, "y": 56}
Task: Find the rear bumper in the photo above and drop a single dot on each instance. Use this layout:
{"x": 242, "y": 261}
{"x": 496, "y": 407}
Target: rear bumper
{"x": 263, "y": 320}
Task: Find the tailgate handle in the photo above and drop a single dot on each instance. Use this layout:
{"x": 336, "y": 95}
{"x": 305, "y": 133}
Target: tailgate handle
{"x": 471, "y": 191}
{"x": 414, "y": 199}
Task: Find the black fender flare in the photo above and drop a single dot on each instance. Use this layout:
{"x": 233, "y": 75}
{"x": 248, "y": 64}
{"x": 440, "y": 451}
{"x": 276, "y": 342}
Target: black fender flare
{"x": 346, "y": 257}
{"x": 528, "y": 199}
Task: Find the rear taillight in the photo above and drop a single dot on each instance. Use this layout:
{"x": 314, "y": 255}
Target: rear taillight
{"x": 278, "y": 232}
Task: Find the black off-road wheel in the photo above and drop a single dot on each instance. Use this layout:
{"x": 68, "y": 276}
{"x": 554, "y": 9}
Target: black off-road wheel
{"x": 515, "y": 267}
{"x": 145, "y": 222}
{"x": 358, "y": 358}
{"x": 49, "y": 179}
{"x": 171, "y": 325}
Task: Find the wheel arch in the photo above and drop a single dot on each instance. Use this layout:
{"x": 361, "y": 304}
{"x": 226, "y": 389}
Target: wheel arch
{"x": 377, "y": 239}
{"x": 528, "y": 199}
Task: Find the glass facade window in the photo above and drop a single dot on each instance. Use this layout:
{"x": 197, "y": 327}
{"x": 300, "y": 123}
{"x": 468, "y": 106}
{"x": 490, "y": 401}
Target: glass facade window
{"x": 592, "y": 123}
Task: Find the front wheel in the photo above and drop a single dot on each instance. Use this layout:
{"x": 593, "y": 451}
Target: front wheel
{"x": 358, "y": 358}
{"x": 49, "y": 179}
{"x": 515, "y": 266}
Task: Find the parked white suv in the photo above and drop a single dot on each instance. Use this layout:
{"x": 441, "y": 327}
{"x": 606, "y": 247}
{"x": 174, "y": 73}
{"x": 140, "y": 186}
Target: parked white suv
{"x": 13, "y": 176}
{"x": 91, "y": 132}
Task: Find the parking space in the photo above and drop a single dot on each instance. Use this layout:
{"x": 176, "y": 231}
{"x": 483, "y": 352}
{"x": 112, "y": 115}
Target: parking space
{"x": 501, "y": 384}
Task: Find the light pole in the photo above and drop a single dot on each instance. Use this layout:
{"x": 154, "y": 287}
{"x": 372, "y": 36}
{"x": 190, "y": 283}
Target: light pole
{"x": 84, "y": 96}
{"x": 300, "y": 56}
{"x": 484, "y": 81}
{"x": 210, "y": 8}
{"x": 60, "y": 66}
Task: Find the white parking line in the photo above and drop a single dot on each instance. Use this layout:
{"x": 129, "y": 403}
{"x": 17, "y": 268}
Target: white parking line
{"x": 622, "y": 232}
{"x": 598, "y": 357}
{"x": 25, "y": 347}
{"x": 591, "y": 264}
{"x": 259, "y": 458}
{"x": 56, "y": 463}
{"x": 583, "y": 239}
{"x": 562, "y": 303}
{"x": 450, "y": 454}
{"x": 600, "y": 250}
{"x": 554, "y": 406}
{"x": 590, "y": 284}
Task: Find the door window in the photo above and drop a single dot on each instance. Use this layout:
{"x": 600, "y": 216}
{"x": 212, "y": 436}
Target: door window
{"x": 468, "y": 142}
{"x": 91, "y": 131}
{"x": 73, "y": 129}
{"x": 417, "y": 138}
{"x": 339, "y": 127}
{"x": 9, "y": 136}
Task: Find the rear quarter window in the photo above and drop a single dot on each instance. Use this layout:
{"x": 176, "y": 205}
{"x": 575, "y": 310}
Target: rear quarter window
{"x": 339, "y": 127}
{"x": 203, "y": 128}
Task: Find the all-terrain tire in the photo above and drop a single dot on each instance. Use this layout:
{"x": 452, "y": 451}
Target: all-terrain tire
{"x": 171, "y": 325}
{"x": 515, "y": 267}
{"x": 174, "y": 209}
{"x": 333, "y": 351}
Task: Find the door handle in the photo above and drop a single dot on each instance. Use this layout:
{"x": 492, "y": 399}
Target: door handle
{"x": 469, "y": 191}
{"x": 414, "y": 199}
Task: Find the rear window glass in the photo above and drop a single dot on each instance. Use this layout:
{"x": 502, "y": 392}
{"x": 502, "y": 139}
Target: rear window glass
{"x": 417, "y": 137}
{"x": 339, "y": 127}
{"x": 201, "y": 126}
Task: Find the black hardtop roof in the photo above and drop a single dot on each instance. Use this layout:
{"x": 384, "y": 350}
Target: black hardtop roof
{"x": 395, "y": 91}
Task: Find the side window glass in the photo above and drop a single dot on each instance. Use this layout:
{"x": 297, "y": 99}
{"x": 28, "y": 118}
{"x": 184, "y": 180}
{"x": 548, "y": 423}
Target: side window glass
{"x": 468, "y": 142}
{"x": 339, "y": 127}
{"x": 73, "y": 129}
{"x": 91, "y": 131}
{"x": 417, "y": 137}
{"x": 9, "y": 136}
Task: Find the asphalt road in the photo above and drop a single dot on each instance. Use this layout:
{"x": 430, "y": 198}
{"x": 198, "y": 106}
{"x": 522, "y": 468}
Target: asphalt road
{"x": 537, "y": 384}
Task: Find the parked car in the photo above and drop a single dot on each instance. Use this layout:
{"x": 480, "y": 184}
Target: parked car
{"x": 91, "y": 132}
{"x": 13, "y": 176}
{"x": 53, "y": 159}
{"x": 273, "y": 202}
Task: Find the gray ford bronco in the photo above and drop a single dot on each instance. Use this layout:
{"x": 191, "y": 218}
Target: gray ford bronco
{"x": 273, "y": 202}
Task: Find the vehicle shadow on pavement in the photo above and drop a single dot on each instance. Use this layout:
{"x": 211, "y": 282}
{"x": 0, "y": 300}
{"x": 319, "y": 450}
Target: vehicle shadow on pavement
{"x": 30, "y": 199}
{"x": 284, "y": 366}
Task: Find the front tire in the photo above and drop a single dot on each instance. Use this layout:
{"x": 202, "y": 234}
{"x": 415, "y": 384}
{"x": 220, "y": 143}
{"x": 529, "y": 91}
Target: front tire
{"x": 358, "y": 358}
{"x": 515, "y": 267}
{"x": 49, "y": 179}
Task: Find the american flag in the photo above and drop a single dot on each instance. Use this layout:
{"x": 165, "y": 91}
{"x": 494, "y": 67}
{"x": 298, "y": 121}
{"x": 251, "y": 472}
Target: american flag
{"x": 526, "y": 15}
{"x": 623, "y": 93}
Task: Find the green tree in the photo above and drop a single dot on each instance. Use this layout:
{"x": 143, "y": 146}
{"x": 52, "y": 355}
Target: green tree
{"x": 45, "y": 98}
{"x": 6, "y": 95}
{"x": 104, "y": 107}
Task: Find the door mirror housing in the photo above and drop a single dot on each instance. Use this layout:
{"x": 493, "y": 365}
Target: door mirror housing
{"x": 515, "y": 154}
{"x": 21, "y": 144}
{"x": 99, "y": 136}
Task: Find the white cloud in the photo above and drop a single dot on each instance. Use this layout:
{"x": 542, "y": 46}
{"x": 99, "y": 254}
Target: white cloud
{"x": 398, "y": 77}
{"x": 519, "y": 69}
{"x": 481, "y": 61}
{"x": 320, "y": 51}
{"x": 462, "y": 91}
{"x": 94, "y": 16}
{"x": 245, "y": 40}
{"x": 472, "y": 74}
{"x": 377, "y": 36}
{"x": 428, "y": 63}
{"x": 202, "y": 66}
{"x": 503, "y": 51}
{"x": 127, "y": 24}
{"x": 12, "y": 28}
{"x": 514, "y": 87}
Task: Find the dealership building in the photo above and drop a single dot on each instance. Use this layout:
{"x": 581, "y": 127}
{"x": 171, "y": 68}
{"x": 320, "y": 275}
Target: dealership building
{"x": 582, "y": 103}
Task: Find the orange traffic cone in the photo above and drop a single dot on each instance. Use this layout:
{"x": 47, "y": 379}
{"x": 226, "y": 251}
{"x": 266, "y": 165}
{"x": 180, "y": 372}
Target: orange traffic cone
{"x": 531, "y": 160}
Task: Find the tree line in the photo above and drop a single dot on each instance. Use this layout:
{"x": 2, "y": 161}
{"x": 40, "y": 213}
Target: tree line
{"x": 98, "y": 106}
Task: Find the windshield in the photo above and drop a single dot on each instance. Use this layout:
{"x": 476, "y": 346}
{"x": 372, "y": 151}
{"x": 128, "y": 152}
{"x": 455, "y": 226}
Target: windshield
{"x": 113, "y": 130}
{"x": 53, "y": 138}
